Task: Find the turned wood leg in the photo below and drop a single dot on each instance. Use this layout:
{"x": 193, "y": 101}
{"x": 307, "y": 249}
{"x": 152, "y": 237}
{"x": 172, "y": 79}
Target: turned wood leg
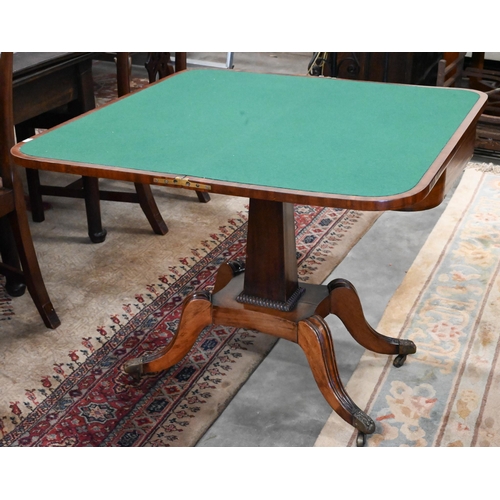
{"x": 316, "y": 341}
{"x": 150, "y": 208}
{"x": 343, "y": 302}
{"x": 93, "y": 207}
{"x": 196, "y": 315}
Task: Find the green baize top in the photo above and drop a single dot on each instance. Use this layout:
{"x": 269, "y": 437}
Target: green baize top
{"x": 294, "y": 132}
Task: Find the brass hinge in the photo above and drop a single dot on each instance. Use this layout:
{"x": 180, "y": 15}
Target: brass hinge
{"x": 182, "y": 182}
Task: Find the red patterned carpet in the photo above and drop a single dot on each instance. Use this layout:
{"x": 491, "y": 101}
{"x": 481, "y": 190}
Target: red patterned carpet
{"x": 92, "y": 402}
{"x": 121, "y": 299}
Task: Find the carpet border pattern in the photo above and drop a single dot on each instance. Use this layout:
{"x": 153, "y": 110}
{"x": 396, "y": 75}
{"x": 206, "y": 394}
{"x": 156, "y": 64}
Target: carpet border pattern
{"x": 90, "y": 401}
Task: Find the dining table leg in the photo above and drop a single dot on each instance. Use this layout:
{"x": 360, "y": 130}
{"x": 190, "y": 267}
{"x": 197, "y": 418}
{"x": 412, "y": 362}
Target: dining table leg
{"x": 263, "y": 293}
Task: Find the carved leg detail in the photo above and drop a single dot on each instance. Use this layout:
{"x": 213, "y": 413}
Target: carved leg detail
{"x": 316, "y": 341}
{"x": 196, "y": 315}
{"x": 345, "y": 304}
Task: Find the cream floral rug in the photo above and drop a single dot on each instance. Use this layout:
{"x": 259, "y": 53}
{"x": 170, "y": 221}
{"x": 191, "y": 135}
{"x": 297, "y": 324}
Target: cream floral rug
{"x": 448, "y": 393}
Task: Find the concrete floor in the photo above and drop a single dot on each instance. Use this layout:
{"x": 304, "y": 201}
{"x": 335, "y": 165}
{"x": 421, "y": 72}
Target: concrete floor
{"x": 280, "y": 405}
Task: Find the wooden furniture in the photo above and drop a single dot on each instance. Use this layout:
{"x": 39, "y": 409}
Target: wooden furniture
{"x": 158, "y": 66}
{"x": 451, "y": 69}
{"x": 478, "y": 76}
{"x": 265, "y": 137}
{"x": 393, "y": 67}
{"x": 19, "y": 261}
{"x": 455, "y": 70}
{"x": 50, "y": 88}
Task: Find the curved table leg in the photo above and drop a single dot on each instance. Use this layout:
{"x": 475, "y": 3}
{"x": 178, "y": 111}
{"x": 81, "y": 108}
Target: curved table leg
{"x": 150, "y": 208}
{"x": 345, "y": 304}
{"x": 227, "y": 272}
{"x": 196, "y": 315}
{"x": 316, "y": 341}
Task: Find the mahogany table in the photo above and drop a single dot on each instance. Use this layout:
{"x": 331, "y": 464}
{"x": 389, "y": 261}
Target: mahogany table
{"x": 277, "y": 140}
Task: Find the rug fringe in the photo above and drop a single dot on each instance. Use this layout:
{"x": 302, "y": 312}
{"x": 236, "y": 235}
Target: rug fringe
{"x": 484, "y": 167}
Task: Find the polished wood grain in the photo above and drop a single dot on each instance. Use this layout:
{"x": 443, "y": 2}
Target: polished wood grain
{"x": 123, "y": 68}
{"x": 271, "y": 256}
{"x": 263, "y": 293}
{"x": 343, "y": 301}
{"x": 270, "y": 272}
{"x": 45, "y": 82}
{"x": 228, "y": 311}
{"x": 47, "y": 90}
{"x": 454, "y": 156}
{"x": 316, "y": 341}
{"x": 196, "y": 315}
{"x": 66, "y": 80}
{"x": 19, "y": 260}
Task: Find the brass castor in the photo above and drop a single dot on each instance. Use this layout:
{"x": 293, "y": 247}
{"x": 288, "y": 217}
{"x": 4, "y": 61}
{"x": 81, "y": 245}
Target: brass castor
{"x": 399, "y": 360}
{"x": 361, "y": 439}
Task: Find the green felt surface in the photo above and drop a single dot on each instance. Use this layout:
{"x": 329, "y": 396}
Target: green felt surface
{"x": 300, "y": 133}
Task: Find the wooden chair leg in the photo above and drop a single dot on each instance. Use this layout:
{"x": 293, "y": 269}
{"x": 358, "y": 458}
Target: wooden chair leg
{"x": 35, "y": 195}
{"x": 23, "y": 131}
{"x": 203, "y": 196}
{"x": 150, "y": 208}
{"x": 31, "y": 270}
{"x": 15, "y": 286}
{"x": 93, "y": 207}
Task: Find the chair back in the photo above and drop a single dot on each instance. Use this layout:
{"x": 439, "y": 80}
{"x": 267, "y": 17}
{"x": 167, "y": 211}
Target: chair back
{"x": 7, "y": 137}
{"x": 450, "y": 69}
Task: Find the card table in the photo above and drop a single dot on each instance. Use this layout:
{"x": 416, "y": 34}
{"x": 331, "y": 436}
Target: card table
{"x": 277, "y": 140}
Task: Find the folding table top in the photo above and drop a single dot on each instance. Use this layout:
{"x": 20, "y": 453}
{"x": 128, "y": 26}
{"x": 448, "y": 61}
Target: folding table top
{"x": 297, "y": 133}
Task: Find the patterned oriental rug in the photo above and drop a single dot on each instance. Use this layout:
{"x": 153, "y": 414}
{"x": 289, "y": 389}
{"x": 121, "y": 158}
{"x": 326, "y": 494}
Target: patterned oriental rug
{"x": 122, "y": 298}
{"x": 448, "y": 393}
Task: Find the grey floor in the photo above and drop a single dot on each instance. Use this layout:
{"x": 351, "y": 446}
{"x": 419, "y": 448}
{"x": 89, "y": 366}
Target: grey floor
{"x": 280, "y": 405}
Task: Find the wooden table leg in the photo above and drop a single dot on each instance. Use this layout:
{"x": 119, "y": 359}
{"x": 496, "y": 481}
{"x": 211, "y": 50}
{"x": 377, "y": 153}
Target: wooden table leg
{"x": 343, "y": 301}
{"x": 303, "y": 325}
{"x": 264, "y": 294}
{"x": 196, "y": 315}
{"x": 317, "y": 343}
